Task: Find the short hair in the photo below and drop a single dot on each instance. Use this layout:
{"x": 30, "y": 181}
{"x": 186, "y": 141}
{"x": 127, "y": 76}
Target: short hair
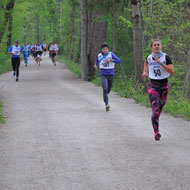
{"x": 105, "y": 44}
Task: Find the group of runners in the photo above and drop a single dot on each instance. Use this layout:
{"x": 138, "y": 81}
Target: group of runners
{"x": 35, "y": 50}
{"x": 157, "y": 66}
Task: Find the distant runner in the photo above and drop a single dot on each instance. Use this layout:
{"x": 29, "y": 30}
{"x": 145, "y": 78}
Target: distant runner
{"x": 15, "y": 50}
{"x": 160, "y": 67}
{"x": 106, "y": 62}
{"x": 44, "y": 48}
{"x": 38, "y": 53}
{"x": 26, "y": 51}
{"x": 32, "y": 50}
{"x": 53, "y": 51}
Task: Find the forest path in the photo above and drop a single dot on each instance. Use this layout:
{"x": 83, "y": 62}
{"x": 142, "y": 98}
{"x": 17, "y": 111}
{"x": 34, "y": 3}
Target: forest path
{"x": 58, "y": 136}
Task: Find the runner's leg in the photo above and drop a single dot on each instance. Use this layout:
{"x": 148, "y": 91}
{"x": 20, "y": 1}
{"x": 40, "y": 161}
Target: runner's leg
{"x": 17, "y": 67}
{"x": 104, "y": 82}
{"x": 13, "y": 64}
{"x": 154, "y": 100}
{"x": 110, "y": 83}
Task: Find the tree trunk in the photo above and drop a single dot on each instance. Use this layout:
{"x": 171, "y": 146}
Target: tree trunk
{"x": 73, "y": 30}
{"x": 9, "y": 32}
{"x": 137, "y": 41}
{"x": 115, "y": 16}
{"x": 37, "y": 27}
{"x": 98, "y": 32}
{"x": 93, "y": 34}
{"x": 59, "y": 35}
{"x": 77, "y": 57}
{"x": 7, "y": 21}
{"x": 84, "y": 28}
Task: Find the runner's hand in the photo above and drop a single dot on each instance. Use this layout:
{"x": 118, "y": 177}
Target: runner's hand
{"x": 108, "y": 60}
{"x": 144, "y": 75}
{"x": 157, "y": 60}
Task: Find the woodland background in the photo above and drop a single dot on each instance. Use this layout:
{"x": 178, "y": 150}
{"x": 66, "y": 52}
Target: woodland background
{"x": 80, "y": 26}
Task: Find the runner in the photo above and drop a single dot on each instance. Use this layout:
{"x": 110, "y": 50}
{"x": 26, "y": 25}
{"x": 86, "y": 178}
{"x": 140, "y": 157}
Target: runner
{"x": 32, "y": 50}
{"x": 26, "y": 52}
{"x": 106, "y": 61}
{"x": 15, "y": 52}
{"x": 44, "y": 48}
{"x": 53, "y": 51}
{"x": 38, "y": 53}
{"x": 160, "y": 67}
{"x": 49, "y": 49}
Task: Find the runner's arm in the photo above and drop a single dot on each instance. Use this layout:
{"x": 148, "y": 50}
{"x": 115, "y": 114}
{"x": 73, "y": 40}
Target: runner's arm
{"x": 144, "y": 75}
{"x": 168, "y": 67}
{"x": 96, "y": 64}
{"x": 10, "y": 51}
{"x": 115, "y": 59}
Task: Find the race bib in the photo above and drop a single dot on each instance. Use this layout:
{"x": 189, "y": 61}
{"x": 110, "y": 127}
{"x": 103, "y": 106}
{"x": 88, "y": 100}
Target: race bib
{"x": 102, "y": 61}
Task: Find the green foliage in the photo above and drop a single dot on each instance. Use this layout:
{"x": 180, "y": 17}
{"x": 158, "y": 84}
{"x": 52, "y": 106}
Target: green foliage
{"x": 178, "y": 107}
{"x": 2, "y": 120}
{"x": 127, "y": 23}
{"x": 74, "y": 67}
{"x": 5, "y": 64}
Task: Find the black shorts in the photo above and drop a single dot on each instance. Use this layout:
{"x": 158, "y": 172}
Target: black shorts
{"x": 38, "y": 53}
{"x": 15, "y": 60}
{"x": 53, "y": 55}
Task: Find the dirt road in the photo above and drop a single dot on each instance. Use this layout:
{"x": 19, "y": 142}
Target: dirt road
{"x": 57, "y": 136}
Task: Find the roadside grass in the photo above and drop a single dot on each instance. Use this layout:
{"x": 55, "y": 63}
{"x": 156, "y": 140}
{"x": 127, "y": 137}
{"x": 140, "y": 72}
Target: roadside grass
{"x": 2, "y": 120}
{"x": 74, "y": 67}
{"x": 5, "y": 64}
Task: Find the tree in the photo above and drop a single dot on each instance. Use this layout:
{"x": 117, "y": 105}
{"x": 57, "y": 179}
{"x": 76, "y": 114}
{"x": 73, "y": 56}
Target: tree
{"x": 137, "y": 40}
{"x": 115, "y": 17}
{"x": 84, "y": 60}
{"x": 93, "y": 34}
{"x": 74, "y": 5}
{"x": 7, "y": 21}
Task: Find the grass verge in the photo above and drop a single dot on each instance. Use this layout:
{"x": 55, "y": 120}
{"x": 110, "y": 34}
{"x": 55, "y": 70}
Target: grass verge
{"x": 5, "y": 66}
{"x": 74, "y": 67}
{"x": 2, "y": 120}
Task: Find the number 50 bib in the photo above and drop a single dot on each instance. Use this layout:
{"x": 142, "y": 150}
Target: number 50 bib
{"x": 156, "y": 71}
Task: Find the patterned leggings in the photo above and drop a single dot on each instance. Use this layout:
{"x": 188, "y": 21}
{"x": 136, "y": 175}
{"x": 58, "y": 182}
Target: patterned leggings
{"x": 158, "y": 95}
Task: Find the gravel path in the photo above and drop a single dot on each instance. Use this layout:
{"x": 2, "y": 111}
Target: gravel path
{"x": 58, "y": 136}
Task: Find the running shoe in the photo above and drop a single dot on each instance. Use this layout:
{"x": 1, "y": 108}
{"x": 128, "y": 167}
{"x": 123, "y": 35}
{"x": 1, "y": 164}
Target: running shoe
{"x": 107, "y": 108}
{"x": 14, "y": 73}
{"x": 17, "y": 79}
{"x": 157, "y": 136}
{"x": 25, "y": 65}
